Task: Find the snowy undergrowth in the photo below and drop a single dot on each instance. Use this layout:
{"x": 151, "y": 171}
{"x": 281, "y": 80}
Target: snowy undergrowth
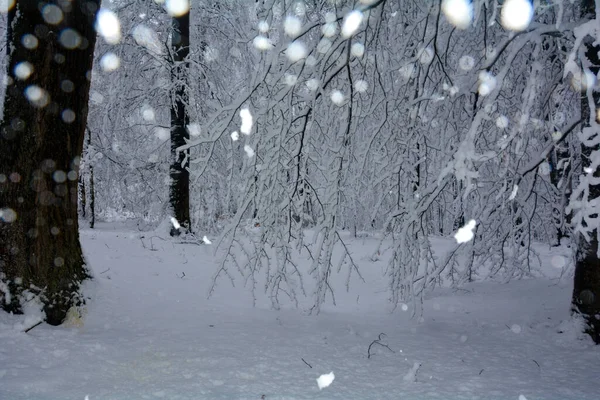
{"x": 150, "y": 332}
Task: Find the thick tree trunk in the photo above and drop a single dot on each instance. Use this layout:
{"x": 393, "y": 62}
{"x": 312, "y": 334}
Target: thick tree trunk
{"x": 41, "y": 138}
{"x": 179, "y": 194}
{"x": 586, "y": 287}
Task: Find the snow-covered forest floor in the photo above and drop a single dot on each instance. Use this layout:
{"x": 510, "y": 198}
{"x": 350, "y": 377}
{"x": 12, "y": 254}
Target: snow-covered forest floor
{"x": 150, "y": 332}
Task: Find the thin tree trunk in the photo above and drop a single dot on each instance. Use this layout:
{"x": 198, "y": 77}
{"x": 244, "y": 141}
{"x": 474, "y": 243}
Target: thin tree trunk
{"x": 179, "y": 194}
{"x": 91, "y": 191}
{"x": 586, "y": 285}
{"x": 40, "y": 146}
{"x": 82, "y": 196}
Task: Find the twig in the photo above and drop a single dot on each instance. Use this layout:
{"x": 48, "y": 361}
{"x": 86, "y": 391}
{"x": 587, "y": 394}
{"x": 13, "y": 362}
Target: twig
{"x": 306, "y": 362}
{"x": 182, "y": 275}
{"x": 536, "y": 363}
{"x": 480, "y": 372}
{"x": 378, "y": 341}
{"x": 31, "y": 327}
{"x": 104, "y": 271}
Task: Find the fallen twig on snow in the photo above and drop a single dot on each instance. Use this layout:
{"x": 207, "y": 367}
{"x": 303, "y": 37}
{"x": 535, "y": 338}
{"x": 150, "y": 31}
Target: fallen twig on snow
{"x": 306, "y": 363}
{"x": 378, "y": 341}
{"x": 33, "y": 326}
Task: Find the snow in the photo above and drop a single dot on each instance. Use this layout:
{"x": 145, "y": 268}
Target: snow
{"x": 337, "y": 97}
{"x": 263, "y": 27}
{"x": 351, "y": 23}
{"x": 296, "y": 51}
{"x": 329, "y": 29}
{"x": 108, "y": 26}
{"x": 300, "y": 8}
{"x": 69, "y": 38}
{"x": 411, "y": 375}
{"x": 151, "y": 332}
{"x": 6, "y": 5}
{"x": 246, "y": 118}
{"x": 262, "y": 43}
{"x": 357, "y": 50}
{"x": 177, "y": 8}
{"x": 37, "y": 96}
{"x": 426, "y": 56}
{"x": 513, "y": 194}
{"x": 148, "y": 113}
{"x": 312, "y": 84}
{"x": 502, "y": 122}
{"x": 194, "y": 129}
{"x": 292, "y": 26}
{"x": 29, "y": 41}
{"x": 325, "y": 380}
{"x": 465, "y": 233}
{"x": 516, "y": 14}
{"x": 162, "y": 133}
{"x": 458, "y": 12}
{"x": 68, "y": 115}
{"x": 249, "y": 151}
{"x": 110, "y": 62}
{"x": 290, "y": 79}
{"x": 487, "y": 83}
{"x": 361, "y": 86}
{"x": 23, "y": 70}
{"x": 52, "y": 14}
{"x": 324, "y": 45}
{"x": 148, "y": 38}
{"x": 466, "y": 63}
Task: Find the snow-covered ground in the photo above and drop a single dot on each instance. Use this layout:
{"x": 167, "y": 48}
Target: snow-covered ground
{"x": 150, "y": 333}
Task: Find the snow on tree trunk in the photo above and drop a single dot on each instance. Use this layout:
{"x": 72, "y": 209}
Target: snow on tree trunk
{"x": 179, "y": 195}
{"x": 41, "y": 139}
{"x": 586, "y": 287}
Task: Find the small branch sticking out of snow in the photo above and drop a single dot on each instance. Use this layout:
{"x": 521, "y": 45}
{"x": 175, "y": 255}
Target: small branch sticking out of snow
{"x": 33, "y": 326}
{"x": 306, "y": 362}
{"x": 378, "y": 341}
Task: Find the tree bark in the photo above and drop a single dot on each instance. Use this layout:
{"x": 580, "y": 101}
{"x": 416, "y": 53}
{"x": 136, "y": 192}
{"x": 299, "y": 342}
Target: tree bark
{"x": 179, "y": 194}
{"x": 586, "y": 285}
{"x": 91, "y": 190}
{"x": 41, "y": 139}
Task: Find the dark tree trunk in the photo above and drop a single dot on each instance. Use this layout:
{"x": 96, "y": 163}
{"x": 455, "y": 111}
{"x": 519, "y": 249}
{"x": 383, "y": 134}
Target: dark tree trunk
{"x": 91, "y": 191}
{"x": 179, "y": 195}
{"x": 82, "y": 197}
{"x": 41, "y": 138}
{"x": 586, "y": 287}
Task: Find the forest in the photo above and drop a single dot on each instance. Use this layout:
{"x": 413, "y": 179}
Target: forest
{"x": 316, "y": 162}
